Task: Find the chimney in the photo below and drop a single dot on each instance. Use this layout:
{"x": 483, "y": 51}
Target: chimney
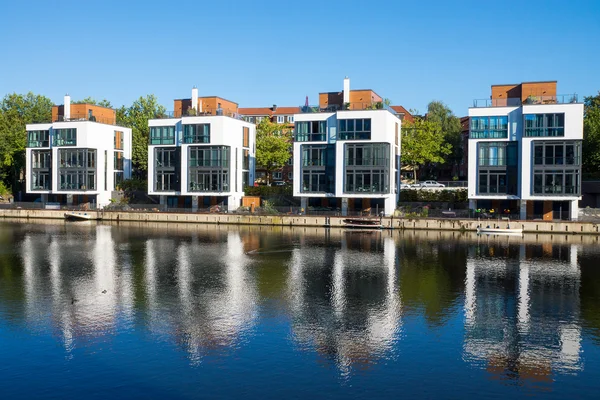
{"x": 67, "y": 107}
{"x": 274, "y": 107}
{"x": 195, "y": 98}
{"x": 346, "y": 90}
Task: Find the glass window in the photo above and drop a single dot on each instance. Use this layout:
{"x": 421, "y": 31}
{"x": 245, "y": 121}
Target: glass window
{"x": 162, "y": 135}
{"x": 208, "y": 168}
{"x": 311, "y": 131}
{"x": 38, "y": 138}
{"x": 166, "y": 166}
{"x": 556, "y": 182}
{"x": 199, "y": 133}
{"x": 354, "y": 129}
{"x": 539, "y": 125}
{"x": 557, "y": 153}
{"x": 65, "y": 137}
{"x": 494, "y": 127}
{"x": 497, "y": 153}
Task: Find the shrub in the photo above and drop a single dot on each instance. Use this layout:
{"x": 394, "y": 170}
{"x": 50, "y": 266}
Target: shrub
{"x": 447, "y": 196}
{"x": 133, "y": 184}
{"x": 4, "y": 191}
{"x": 265, "y": 191}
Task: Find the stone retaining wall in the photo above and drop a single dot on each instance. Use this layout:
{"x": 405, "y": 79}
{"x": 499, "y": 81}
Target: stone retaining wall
{"x": 313, "y": 221}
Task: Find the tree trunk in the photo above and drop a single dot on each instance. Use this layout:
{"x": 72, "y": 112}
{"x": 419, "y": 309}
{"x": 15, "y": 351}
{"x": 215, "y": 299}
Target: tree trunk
{"x": 415, "y": 172}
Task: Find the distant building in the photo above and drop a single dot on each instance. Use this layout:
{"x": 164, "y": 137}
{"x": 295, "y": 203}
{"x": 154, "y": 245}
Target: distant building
{"x": 525, "y": 151}
{"x": 347, "y": 153}
{"x": 79, "y": 157}
{"x": 201, "y": 155}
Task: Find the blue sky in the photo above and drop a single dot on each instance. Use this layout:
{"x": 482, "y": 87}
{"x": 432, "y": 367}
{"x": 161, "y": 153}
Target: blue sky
{"x": 260, "y": 53}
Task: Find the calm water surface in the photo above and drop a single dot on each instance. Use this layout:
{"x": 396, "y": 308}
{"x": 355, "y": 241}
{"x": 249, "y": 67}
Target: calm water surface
{"x": 154, "y": 311}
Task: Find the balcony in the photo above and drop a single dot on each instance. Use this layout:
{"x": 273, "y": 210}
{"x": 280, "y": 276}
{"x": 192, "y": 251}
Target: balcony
{"x": 516, "y": 102}
{"x": 355, "y": 106}
{"x": 203, "y": 113}
{"x": 87, "y": 117}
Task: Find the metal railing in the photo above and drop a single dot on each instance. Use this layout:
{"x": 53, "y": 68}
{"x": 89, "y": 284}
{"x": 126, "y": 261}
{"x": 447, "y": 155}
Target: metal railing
{"x": 515, "y": 102}
{"x": 206, "y": 111}
{"x": 87, "y": 117}
{"x": 352, "y": 106}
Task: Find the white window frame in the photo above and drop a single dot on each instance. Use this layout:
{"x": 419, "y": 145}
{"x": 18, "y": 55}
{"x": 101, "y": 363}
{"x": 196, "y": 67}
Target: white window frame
{"x": 280, "y": 119}
{"x": 277, "y": 175}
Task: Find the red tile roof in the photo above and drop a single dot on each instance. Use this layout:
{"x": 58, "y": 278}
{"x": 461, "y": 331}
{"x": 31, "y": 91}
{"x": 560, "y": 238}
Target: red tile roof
{"x": 287, "y": 110}
{"x": 401, "y": 110}
{"x": 255, "y": 111}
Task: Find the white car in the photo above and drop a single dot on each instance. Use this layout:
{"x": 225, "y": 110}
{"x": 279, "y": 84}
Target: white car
{"x": 404, "y": 186}
{"x": 432, "y": 184}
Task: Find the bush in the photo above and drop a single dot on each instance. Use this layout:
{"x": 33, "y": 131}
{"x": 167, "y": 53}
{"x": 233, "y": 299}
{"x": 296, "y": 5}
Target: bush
{"x": 447, "y": 196}
{"x": 4, "y": 191}
{"x": 133, "y": 184}
{"x": 265, "y": 191}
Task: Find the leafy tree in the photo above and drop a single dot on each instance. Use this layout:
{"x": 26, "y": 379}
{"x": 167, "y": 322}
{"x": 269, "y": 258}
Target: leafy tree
{"x": 439, "y": 112}
{"x": 91, "y": 100}
{"x": 273, "y": 142}
{"x": 423, "y": 142}
{"x": 136, "y": 117}
{"x": 17, "y": 110}
{"x": 591, "y": 133}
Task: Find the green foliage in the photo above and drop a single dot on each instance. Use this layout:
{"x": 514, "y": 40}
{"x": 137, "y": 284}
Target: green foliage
{"x": 447, "y": 196}
{"x": 273, "y": 145}
{"x": 91, "y": 100}
{"x": 136, "y": 117}
{"x": 423, "y": 142}
{"x": 440, "y": 113}
{"x": 267, "y": 207}
{"x": 17, "y": 110}
{"x": 591, "y": 133}
{"x": 4, "y": 191}
{"x": 265, "y": 191}
{"x": 129, "y": 185}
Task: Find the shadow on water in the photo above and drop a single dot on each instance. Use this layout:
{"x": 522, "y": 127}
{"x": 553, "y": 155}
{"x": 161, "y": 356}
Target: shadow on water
{"x": 369, "y": 306}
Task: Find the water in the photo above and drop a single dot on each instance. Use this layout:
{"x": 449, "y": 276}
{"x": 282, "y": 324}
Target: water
{"x": 180, "y": 311}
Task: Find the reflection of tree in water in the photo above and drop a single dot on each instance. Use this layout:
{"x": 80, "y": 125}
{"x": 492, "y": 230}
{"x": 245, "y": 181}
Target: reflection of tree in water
{"x": 344, "y": 302}
{"x": 522, "y": 311}
{"x": 590, "y": 290}
{"x": 431, "y": 275}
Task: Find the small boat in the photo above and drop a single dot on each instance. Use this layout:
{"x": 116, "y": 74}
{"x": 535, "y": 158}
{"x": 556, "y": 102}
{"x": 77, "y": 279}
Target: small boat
{"x": 502, "y": 231}
{"x": 362, "y": 223}
{"x": 77, "y": 216}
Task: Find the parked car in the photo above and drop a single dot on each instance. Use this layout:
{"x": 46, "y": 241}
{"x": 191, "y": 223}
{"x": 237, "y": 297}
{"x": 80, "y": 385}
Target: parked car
{"x": 416, "y": 186}
{"x": 279, "y": 183}
{"x": 432, "y": 184}
{"x": 404, "y": 186}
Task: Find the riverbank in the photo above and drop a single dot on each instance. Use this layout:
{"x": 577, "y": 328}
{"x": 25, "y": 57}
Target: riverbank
{"x": 564, "y": 227}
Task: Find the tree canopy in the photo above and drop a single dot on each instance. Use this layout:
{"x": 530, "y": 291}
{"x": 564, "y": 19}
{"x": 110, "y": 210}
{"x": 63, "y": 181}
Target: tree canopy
{"x": 591, "y": 133}
{"x": 423, "y": 142}
{"x": 16, "y": 111}
{"x": 440, "y": 113}
{"x": 91, "y": 100}
{"x": 273, "y": 145}
{"x": 136, "y": 117}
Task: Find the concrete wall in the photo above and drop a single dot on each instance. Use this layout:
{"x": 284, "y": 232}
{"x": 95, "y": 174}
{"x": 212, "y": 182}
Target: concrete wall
{"x": 565, "y": 228}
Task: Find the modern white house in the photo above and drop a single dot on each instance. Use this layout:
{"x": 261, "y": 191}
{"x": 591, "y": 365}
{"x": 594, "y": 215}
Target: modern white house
{"x": 201, "y": 155}
{"x": 79, "y": 157}
{"x": 348, "y": 159}
{"x": 525, "y": 152}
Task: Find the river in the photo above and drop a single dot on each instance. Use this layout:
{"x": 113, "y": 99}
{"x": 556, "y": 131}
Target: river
{"x": 97, "y": 311}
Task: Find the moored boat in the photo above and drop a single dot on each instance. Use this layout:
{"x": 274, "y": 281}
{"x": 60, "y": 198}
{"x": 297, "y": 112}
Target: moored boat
{"x": 362, "y": 223}
{"x": 77, "y": 216}
{"x": 502, "y": 231}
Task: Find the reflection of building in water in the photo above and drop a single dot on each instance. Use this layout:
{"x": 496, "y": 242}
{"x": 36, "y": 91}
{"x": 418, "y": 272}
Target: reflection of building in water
{"x": 522, "y": 309}
{"x": 345, "y": 302}
{"x": 72, "y": 281}
{"x": 203, "y": 295}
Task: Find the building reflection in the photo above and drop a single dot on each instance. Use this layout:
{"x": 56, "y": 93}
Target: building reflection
{"x": 344, "y": 301}
{"x": 522, "y": 309}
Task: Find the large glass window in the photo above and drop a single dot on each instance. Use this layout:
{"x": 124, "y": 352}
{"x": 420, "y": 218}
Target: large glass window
{"x": 495, "y": 127}
{"x": 311, "y": 131}
{"x": 318, "y": 168}
{"x": 371, "y": 154}
{"x": 38, "y": 138}
{"x": 118, "y": 163}
{"x": 41, "y": 164}
{"x": 41, "y": 159}
{"x": 208, "y": 168}
{"x": 77, "y": 169}
{"x": 557, "y": 153}
{"x": 355, "y": 129}
{"x": 162, "y": 135}
{"x": 556, "y": 182}
{"x": 199, "y": 133}
{"x": 493, "y": 181}
{"x": 166, "y": 167}
{"x": 539, "y": 125}
{"x": 367, "y": 180}
{"x": 497, "y": 153}
{"x": 65, "y": 137}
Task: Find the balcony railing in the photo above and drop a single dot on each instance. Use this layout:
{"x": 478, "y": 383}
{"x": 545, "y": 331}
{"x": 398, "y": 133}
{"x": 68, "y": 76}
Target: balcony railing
{"x": 38, "y": 143}
{"x": 354, "y": 106}
{"x": 313, "y": 162}
{"x": 362, "y": 162}
{"x": 555, "y": 190}
{"x": 201, "y": 113}
{"x": 87, "y": 117}
{"x": 515, "y": 102}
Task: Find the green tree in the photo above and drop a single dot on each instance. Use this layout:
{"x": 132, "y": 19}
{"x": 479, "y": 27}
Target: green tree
{"x": 136, "y": 117}
{"x": 16, "y": 111}
{"x": 591, "y": 133}
{"x": 91, "y": 100}
{"x": 439, "y": 112}
{"x": 423, "y": 142}
{"x": 273, "y": 145}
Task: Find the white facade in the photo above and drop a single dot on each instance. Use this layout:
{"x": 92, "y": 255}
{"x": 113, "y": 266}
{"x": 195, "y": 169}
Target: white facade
{"x": 528, "y": 165}
{"x": 384, "y": 129}
{"x": 97, "y": 137}
{"x": 224, "y": 131}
